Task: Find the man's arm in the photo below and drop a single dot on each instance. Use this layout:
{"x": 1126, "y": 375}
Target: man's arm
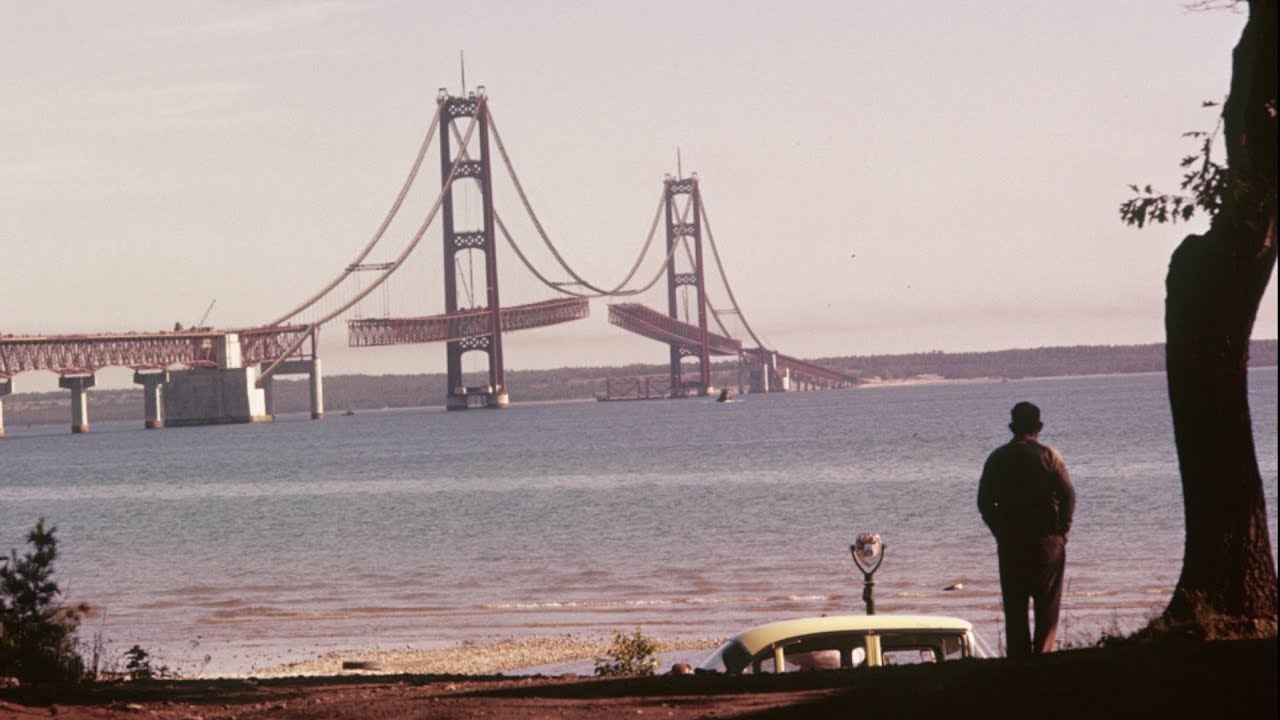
{"x": 1065, "y": 493}
{"x": 986, "y": 497}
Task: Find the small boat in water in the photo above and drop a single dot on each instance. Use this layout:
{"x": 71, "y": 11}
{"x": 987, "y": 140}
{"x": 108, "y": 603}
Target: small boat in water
{"x": 725, "y": 395}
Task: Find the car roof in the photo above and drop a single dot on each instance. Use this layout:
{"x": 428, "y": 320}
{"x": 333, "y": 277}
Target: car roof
{"x": 762, "y": 636}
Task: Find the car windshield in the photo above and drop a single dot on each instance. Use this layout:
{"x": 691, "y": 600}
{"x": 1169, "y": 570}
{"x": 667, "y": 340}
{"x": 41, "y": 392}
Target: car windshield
{"x": 731, "y": 658}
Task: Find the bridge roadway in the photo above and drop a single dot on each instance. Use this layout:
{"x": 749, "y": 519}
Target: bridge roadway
{"x": 800, "y": 375}
{"x": 771, "y": 371}
{"x": 76, "y": 358}
{"x": 655, "y": 325}
{"x": 372, "y": 332}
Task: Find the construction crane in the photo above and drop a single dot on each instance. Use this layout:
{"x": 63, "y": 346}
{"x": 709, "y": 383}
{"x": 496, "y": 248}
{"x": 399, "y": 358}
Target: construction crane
{"x": 206, "y": 314}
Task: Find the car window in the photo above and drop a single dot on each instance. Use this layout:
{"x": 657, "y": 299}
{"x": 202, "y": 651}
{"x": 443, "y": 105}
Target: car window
{"x": 952, "y": 647}
{"x": 813, "y": 660}
{"x": 909, "y": 656}
{"x": 908, "y": 648}
{"x": 821, "y": 652}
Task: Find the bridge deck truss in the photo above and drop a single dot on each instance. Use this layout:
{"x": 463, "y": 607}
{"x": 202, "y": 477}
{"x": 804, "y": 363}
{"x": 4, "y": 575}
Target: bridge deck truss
{"x": 268, "y": 344}
{"x": 77, "y": 354}
{"x": 800, "y": 370}
{"x": 372, "y": 332}
{"x": 654, "y": 325}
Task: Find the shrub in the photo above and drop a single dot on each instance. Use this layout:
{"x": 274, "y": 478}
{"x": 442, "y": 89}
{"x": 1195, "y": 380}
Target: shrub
{"x": 139, "y": 666}
{"x": 39, "y": 632}
{"x": 634, "y": 654}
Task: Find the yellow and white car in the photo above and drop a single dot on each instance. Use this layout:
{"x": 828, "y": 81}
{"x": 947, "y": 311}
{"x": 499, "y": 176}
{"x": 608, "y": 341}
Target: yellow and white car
{"x": 846, "y": 641}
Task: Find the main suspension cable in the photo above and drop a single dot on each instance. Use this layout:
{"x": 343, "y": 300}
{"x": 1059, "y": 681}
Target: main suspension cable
{"x": 417, "y": 237}
{"x": 524, "y": 199}
{"x": 684, "y": 216}
{"x": 314, "y": 326}
{"x": 725, "y": 279}
{"x": 354, "y": 265}
{"x": 560, "y": 288}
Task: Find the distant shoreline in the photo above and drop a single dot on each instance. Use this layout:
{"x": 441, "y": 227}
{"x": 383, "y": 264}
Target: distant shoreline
{"x": 370, "y": 393}
{"x": 302, "y": 413}
{"x": 876, "y": 383}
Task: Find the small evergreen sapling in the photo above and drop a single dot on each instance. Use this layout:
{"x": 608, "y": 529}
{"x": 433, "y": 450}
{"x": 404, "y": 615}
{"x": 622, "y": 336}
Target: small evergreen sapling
{"x": 39, "y": 633}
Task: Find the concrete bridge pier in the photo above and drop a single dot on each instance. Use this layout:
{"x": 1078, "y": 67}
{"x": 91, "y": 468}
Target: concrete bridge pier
{"x": 761, "y": 377}
{"x": 6, "y": 387}
{"x": 317, "y": 391}
{"x": 152, "y": 382}
{"x": 79, "y": 386}
{"x": 268, "y": 385}
{"x": 310, "y": 368}
{"x": 766, "y": 378}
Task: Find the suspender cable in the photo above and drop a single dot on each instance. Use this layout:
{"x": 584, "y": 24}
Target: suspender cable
{"x": 692, "y": 263}
{"x": 417, "y": 237}
{"x": 725, "y": 279}
{"x": 395, "y": 265}
{"x": 377, "y": 236}
{"x": 524, "y": 199}
{"x": 547, "y": 281}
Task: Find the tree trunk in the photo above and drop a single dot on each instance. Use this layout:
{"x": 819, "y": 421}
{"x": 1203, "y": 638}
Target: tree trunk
{"x": 1214, "y": 286}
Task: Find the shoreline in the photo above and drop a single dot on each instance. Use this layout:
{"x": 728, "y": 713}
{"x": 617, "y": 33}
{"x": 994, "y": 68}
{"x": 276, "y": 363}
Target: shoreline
{"x": 469, "y": 658}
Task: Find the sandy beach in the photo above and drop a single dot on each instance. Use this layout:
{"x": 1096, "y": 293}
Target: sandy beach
{"x": 504, "y": 656}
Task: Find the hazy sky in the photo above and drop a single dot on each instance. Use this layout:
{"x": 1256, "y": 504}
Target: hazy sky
{"x": 881, "y": 176}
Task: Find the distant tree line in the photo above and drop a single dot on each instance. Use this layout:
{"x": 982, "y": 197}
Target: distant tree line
{"x": 376, "y": 392}
{"x": 1018, "y": 364}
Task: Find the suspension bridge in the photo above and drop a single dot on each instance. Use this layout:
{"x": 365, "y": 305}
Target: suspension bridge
{"x": 206, "y": 376}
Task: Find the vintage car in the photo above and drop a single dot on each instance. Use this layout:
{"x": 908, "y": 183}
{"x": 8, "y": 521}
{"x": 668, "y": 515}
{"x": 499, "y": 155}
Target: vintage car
{"x": 846, "y": 641}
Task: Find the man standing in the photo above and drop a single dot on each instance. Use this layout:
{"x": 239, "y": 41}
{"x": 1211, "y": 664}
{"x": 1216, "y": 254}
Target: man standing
{"x": 1027, "y": 501}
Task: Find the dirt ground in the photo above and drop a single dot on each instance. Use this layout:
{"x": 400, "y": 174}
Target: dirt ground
{"x": 1172, "y": 680}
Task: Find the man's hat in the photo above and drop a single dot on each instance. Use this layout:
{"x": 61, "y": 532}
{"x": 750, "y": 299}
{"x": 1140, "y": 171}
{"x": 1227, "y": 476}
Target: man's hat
{"x": 1024, "y": 418}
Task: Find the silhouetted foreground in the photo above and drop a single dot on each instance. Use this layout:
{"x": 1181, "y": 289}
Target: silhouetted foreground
{"x": 1235, "y": 679}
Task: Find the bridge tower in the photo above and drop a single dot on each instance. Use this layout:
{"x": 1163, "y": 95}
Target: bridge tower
{"x": 678, "y": 229}
{"x": 473, "y": 167}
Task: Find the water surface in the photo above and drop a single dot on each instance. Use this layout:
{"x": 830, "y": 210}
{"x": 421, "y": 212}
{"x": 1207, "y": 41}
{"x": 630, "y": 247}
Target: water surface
{"x": 259, "y": 544}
